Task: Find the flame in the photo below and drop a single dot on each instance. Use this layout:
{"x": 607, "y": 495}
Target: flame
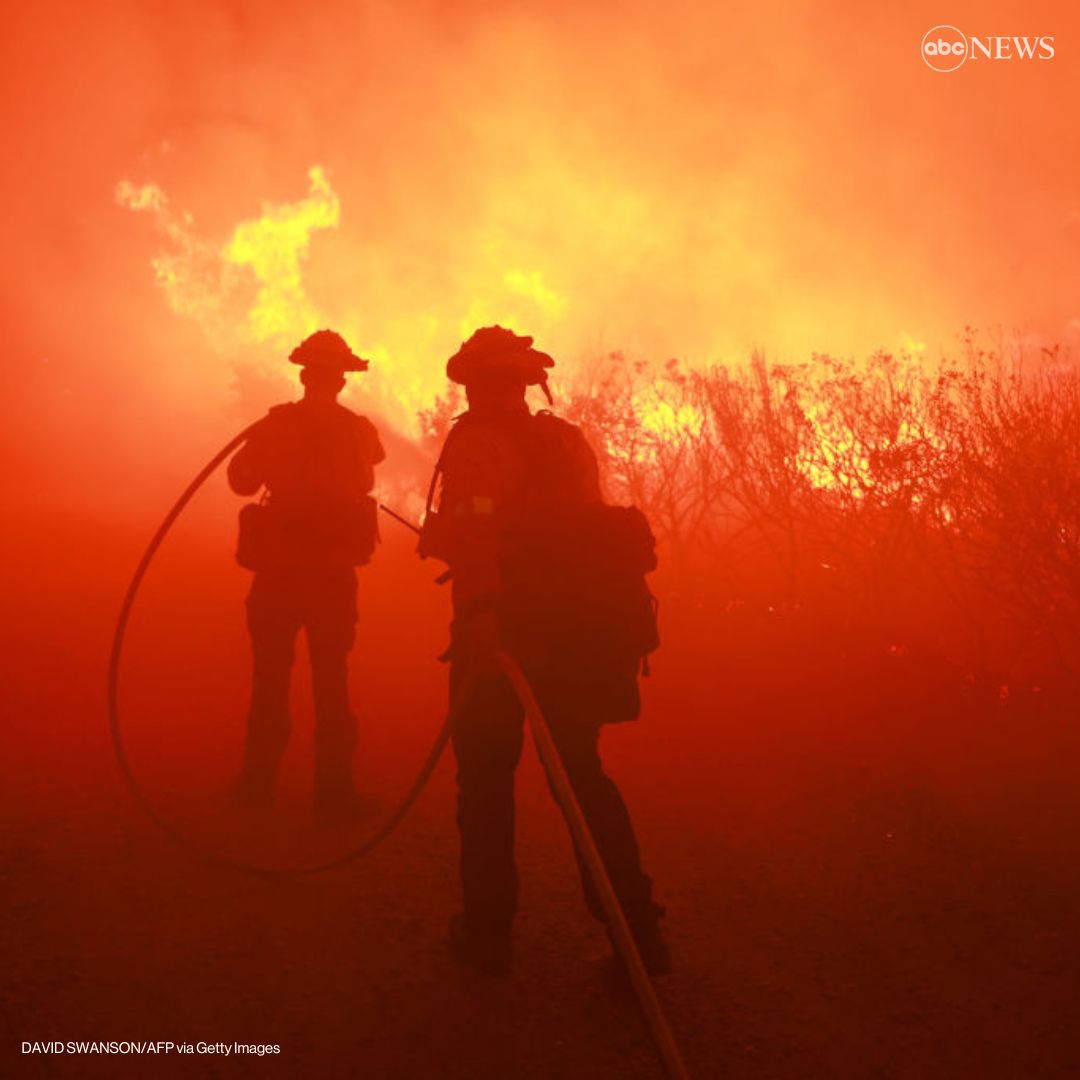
{"x": 273, "y": 247}
{"x": 841, "y": 458}
{"x": 668, "y": 421}
{"x": 196, "y": 282}
{"x": 210, "y": 282}
{"x": 834, "y": 461}
{"x": 531, "y": 284}
{"x": 251, "y": 296}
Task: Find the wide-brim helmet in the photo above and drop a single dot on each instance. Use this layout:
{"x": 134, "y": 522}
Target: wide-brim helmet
{"x": 495, "y": 353}
{"x": 328, "y": 351}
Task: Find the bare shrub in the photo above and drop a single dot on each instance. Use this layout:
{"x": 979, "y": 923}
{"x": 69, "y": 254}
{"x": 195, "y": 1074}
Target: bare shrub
{"x": 939, "y": 502}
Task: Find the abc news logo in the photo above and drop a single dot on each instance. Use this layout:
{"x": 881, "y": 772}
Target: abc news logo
{"x": 944, "y": 48}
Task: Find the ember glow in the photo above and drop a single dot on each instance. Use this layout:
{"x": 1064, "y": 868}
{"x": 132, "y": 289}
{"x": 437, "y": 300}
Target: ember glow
{"x": 676, "y": 185}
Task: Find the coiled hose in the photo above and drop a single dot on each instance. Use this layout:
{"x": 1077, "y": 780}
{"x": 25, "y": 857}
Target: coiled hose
{"x": 169, "y": 830}
{"x": 659, "y": 1030}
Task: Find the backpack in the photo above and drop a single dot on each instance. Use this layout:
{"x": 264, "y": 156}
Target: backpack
{"x": 573, "y": 569}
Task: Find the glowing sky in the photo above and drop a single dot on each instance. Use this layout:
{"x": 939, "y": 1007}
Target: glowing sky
{"x": 667, "y": 179}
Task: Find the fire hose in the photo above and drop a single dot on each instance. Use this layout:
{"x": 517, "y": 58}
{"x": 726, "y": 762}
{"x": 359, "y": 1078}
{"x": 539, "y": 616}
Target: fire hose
{"x": 616, "y": 919}
{"x": 116, "y": 655}
{"x": 663, "y": 1039}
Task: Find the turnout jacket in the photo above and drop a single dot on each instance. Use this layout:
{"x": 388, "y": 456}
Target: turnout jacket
{"x": 492, "y": 466}
{"x": 317, "y": 463}
{"x": 306, "y": 452}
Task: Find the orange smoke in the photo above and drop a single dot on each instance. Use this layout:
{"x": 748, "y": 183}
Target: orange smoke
{"x": 693, "y": 181}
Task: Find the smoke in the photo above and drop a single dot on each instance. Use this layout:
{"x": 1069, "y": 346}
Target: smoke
{"x": 692, "y": 180}
{"x": 210, "y": 283}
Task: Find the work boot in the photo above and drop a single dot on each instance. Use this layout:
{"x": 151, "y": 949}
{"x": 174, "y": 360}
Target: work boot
{"x": 653, "y": 949}
{"x": 489, "y": 951}
{"x": 651, "y": 946}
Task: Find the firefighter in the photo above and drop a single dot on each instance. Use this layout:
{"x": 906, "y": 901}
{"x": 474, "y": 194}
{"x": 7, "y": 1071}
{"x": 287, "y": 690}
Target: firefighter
{"x": 518, "y": 493}
{"x": 314, "y": 460}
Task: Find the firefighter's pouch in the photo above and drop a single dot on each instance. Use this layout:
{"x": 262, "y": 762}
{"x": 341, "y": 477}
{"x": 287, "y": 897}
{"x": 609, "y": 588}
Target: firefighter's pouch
{"x": 434, "y": 540}
{"x": 360, "y": 520}
{"x": 254, "y": 542}
{"x": 331, "y": 533}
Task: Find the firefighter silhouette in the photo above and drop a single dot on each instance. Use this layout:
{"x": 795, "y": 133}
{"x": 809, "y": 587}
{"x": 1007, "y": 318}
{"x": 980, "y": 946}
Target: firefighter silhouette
{"x": 314, "y": 461}
{"x": 541, "y": 567}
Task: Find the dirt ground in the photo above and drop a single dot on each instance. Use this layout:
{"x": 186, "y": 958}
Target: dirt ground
{"x": 866, "y": 876}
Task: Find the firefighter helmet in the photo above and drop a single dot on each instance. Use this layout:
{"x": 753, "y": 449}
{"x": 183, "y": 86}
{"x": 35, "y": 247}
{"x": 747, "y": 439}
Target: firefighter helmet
{"x": 327, "y": 350}
{"x": 495, "y": 352}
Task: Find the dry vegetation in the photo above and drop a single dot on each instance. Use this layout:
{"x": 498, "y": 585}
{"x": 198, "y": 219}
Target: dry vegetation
{"x": 936, "y": 507}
